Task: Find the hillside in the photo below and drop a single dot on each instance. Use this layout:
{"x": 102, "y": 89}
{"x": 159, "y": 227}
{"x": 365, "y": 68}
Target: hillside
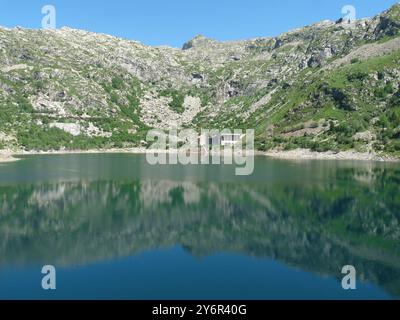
{"x": 328, "y": 86}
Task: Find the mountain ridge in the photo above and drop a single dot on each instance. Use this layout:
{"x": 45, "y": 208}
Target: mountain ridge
{"x": 76, "y": 89}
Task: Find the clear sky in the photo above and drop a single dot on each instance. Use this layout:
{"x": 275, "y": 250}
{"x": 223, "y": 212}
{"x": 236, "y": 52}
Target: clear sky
{"x": 173, "y": 22}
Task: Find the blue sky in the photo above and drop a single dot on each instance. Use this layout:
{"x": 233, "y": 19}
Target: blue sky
{"x": 172, "y": 22}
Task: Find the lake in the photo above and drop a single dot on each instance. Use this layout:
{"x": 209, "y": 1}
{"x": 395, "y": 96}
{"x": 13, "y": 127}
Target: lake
{"x": 116, "y": 227}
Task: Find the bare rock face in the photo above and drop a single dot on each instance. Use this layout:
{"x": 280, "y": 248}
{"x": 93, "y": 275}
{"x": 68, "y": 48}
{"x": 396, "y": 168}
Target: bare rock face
{"x": 387, "y": 27}
{"x": 157, "y": 114}
{"x": 121, "y": 88}
{"x": 198, "y": 42}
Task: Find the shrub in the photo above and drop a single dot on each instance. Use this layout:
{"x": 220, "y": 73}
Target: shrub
{"x": 44, "y": 138}
{"x": 389, "y": 88}
{"x": 117, "y": 83}
{"x": 395, "y": 100}
{"x": 379, "y": 93}
{"x": 357, "y": 76}
{"x": 178, "y": 99}
{"x": 114, "y": 98}
{"x": 321, "y": 146}
{"x": 24, "y": 104}
{"x": 396, "y": 145}
{"x": 341, "y": 99}
{"x": 177, "y": 103}
{"x": 394, "y": 117}
{"x": 294, "y": 128}
{"x": 383, "y": 92}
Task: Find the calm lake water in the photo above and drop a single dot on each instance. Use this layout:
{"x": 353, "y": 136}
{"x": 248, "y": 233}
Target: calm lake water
{"x": 117, "y": 228}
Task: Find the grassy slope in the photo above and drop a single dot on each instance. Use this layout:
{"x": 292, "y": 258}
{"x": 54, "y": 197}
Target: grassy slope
{"x": 354, "y": 98}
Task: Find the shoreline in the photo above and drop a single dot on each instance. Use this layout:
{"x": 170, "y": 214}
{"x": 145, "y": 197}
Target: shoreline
{"x": 7, "y": 158}
{"x": 297, "y": 154}
{"x": 305, "y": 154}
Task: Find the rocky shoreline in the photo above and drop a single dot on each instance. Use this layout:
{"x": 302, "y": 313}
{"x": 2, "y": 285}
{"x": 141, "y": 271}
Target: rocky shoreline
{"x": 305, "y": 154}
{"x": 298, "y": 154}
{"x": 6, "y": 158}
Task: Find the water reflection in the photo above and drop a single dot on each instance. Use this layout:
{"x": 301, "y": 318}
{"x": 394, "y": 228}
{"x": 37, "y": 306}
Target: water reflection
{"x": 344, "y": 215}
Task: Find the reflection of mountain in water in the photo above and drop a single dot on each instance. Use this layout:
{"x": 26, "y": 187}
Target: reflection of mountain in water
{"x": 352, "y": 218}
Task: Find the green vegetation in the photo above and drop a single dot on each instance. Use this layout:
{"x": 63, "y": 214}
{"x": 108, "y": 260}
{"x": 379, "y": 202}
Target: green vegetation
{"x": 117, "y": 83}
{"x": 383, "y": 92}
{"x": 24, "y": 104}
{"x": 334, "y": 96}
{"x": 178, "y": 99}
{"x": 38, "y": 138}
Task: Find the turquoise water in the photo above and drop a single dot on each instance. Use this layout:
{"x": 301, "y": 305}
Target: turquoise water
{"x": 117, "y": 228}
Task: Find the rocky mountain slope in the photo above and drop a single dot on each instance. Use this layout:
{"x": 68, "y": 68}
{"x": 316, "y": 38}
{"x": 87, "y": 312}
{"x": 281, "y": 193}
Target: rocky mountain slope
{"x": 328, "y": 86}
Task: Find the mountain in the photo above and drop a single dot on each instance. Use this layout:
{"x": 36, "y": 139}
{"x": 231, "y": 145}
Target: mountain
{"x": 328, "y": 86}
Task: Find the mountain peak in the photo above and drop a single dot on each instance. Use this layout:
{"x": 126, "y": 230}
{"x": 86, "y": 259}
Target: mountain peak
{"x": 197, "y": 41}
